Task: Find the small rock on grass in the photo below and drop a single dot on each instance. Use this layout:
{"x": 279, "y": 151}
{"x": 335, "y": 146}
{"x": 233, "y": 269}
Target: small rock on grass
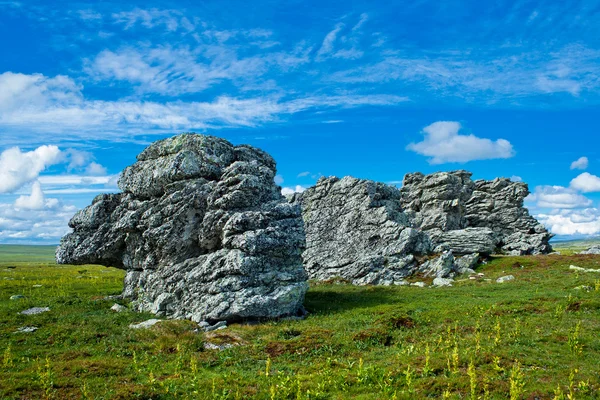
{"x": 584, "y": 287}
{"x": 442, "y": 282}
{"x": 26, "y": 329}
{"x": 35, "y": 310}
{"x": 17, "y": 297}
{"x": 579, "y": 269}
{"x": 146, "y": 324}
{"x": 418, "y": 284}
{"x": 212, "y": 346}
{"x": 118, "y": 308}
{"x": 506, "y": 278}
{"x": 37, "y": 286}
{"x": 206, "y": 327}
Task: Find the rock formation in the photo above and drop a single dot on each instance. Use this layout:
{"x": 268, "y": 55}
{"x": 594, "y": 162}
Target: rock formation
{"x": 202, "y": 230}
{"x": 468, "y": 216}
{"x": 371, "y": 233}
{"x": 356, "y": 230}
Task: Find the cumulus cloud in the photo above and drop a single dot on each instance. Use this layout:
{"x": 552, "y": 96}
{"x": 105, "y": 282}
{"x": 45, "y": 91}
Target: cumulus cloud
{"x": 580, "y": 163}
{"x": 516, "y": 178}
{"x": 586, "y": 183}
{"x": 303, "y": 174}
{"x": 35, "y": 201}
{"x": 443, "y": 143}
{"x": 572, "y": 222}
{"x": 21, "y": 225}
{"x": 558, "y": 197}
{"x": 278, "y": 179}
{"x": 95, "y": 169}
{"x": 292, "y": 190}
{"x": 18, "y": 168}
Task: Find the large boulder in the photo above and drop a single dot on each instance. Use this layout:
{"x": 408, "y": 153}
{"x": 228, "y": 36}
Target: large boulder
{"x": 356, "y": 230}
{"x": 498, "y": 205}
{"x": 468, "y": 216}
{"x": 202, "y": 231}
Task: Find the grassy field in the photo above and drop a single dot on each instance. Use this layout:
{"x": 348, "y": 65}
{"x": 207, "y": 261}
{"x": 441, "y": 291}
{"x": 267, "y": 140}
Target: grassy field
{"x": 536, "y": 337}
{"x": 11, "y": 253}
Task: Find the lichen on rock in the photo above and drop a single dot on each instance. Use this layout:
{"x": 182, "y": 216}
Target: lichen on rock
{"x": 202, "y": 231}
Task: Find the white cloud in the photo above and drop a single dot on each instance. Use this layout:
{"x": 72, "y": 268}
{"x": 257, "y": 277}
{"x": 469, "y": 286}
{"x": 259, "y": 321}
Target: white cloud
{"x": 572, "y": 222}
{"x": 586, "y": 183}
{"x": 35, "y": 201}
{"x": 67, "y": 115}
{"x": 18, "y": 168}
{"x": 292, "y": 190}
{"x": 303, "y": 174}
{"x": 95, "y": 169}
{"x": 581, "y": 163}
{"x": 443, "y": 144}
{"x": 21, "y": 225}
{"x": 558, "y": 197}
{"x": 516, "y": 178}
{"x": 278, "y": 179}
{"x": 329, "y": 41}
{"x": 172, "y": 20}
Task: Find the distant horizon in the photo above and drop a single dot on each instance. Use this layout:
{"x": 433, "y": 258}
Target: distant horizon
{"x": 354, "y": 88}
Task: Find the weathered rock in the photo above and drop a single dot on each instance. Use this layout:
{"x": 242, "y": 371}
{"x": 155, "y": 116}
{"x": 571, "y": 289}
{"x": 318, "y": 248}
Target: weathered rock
{"x": 440, "y": 267}
{"x": 466, "y": 264}
{"x": 504, "y": 279}
{"x": 465, "y": 241}
{"x": 468, "y": 216}
{"x": 35, "y": 310}
{"x": 17, "y": 297}
{"x": 442, "y": 282}
{"x": 591, "y": 250}
{"x": 26, "y": 329}
{"x": 579, "y": 269}
{"x": 202, "y": 230}
{"x": 498, "y": 205}
{"x": 118, "y": 308}
{"x": 356, "y": 230}
{"x": 145, "y": 324}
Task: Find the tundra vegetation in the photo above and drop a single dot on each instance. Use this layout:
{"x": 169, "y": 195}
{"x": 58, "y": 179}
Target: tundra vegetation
{"x": 533, "y": 337}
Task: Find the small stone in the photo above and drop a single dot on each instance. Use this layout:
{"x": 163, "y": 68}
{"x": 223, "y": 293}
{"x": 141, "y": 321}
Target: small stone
{"x": 35, "y": 310}
{"x": 442, "y": 282}
{"x": 579, "y": 269}
{"x": 212, "y": 346}
{"x": 17, "y": 297}
{"x": 37, "y": 286}
{"x": 26, "y": 329}
{"x": 217, "y": 326}
{"x": 584, "y": 287}
{"x": 473, "y": 278}
{"x": 506, "y": 278}
{"x": 146, "y": 324}
{"x": 118, "y": 308}
{"x": 418, "y": 284}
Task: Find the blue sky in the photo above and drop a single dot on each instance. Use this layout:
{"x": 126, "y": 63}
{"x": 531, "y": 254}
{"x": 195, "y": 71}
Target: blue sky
{"x": 358, "y": 88}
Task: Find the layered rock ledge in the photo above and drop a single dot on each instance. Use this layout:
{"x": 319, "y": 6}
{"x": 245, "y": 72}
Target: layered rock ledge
{"x": 202, "y": 231}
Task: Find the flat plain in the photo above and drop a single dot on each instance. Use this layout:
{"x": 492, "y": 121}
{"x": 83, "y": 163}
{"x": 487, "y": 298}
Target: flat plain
{"x": 534, "y": 337}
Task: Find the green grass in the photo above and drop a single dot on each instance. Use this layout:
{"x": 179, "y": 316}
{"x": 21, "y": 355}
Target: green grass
{"x": 574, "y": 246}
{"x": 12, "y": 253}
{"x": 536, "y": 335}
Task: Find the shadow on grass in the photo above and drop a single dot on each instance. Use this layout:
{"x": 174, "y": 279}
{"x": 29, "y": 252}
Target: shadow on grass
{"x": 327, "y": 299}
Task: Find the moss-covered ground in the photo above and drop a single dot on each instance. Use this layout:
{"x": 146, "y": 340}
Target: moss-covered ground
{"x": 536, "y": 337}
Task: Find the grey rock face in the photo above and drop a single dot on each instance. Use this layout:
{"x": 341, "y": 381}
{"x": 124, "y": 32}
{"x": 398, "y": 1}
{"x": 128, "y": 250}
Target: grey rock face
{"x": 202, "y": 230}
{"x": 591, "y": 250}
{"x": 498, "y": 204}
{"x": 356, "y": 230}
{"x": 468, "y": 216}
